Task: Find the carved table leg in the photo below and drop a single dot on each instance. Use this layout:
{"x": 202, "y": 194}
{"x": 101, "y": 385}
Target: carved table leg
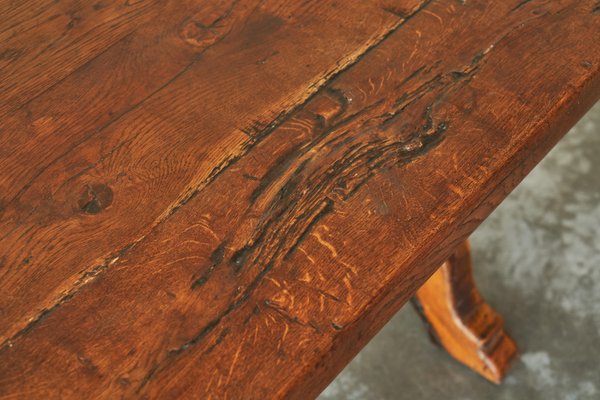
{"x": 460, "y": 320}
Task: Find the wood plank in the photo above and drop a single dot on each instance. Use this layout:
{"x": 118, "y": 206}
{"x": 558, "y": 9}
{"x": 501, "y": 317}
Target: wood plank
{"x": 43, "y": 42}
{"x": 260, "y": 257}
{"x": 111, "y": 84}
{"x": 165, "y": 142}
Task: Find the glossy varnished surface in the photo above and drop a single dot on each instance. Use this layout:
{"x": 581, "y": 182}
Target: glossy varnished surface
{"x": 231, "y": 198}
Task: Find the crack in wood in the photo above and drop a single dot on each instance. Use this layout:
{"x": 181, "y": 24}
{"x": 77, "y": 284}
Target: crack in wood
{"x": 519, "y": 5}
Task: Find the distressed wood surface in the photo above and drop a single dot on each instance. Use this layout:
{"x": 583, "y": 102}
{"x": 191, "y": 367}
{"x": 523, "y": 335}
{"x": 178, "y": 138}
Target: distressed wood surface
{"x": 228, "y": 199}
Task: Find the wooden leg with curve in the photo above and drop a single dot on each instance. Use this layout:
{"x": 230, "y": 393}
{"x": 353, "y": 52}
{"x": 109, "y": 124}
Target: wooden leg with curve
{"x": 461, "y": 321}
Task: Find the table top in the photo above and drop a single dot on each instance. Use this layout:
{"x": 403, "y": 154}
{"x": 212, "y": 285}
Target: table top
{"x": 228, "y": 199}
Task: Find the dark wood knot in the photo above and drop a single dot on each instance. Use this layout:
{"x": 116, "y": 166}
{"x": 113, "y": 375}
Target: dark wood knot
{"x": 95, "y": 198}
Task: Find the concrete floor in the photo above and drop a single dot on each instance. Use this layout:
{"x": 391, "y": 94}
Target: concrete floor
{"x": 537, "y": 260}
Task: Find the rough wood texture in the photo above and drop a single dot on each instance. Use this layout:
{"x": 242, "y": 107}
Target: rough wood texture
{"x": 230, "y": 198}
{"x": 461, "y": 321}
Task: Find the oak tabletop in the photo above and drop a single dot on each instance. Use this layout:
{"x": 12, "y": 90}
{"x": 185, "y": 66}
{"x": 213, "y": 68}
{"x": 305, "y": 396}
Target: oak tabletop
{"x": 229, "y": 198}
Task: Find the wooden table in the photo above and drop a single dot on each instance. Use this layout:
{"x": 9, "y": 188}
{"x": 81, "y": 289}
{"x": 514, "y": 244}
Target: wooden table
{"x": 228, "y": 199}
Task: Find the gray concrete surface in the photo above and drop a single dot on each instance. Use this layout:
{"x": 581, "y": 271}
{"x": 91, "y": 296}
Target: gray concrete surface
{"x": 537, "y": 260}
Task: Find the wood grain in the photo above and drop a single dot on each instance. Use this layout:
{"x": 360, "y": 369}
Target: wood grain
{"x": 154, "y": 159}
{"x": 231, "y": 198}
{"x": 461, "y": 321}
